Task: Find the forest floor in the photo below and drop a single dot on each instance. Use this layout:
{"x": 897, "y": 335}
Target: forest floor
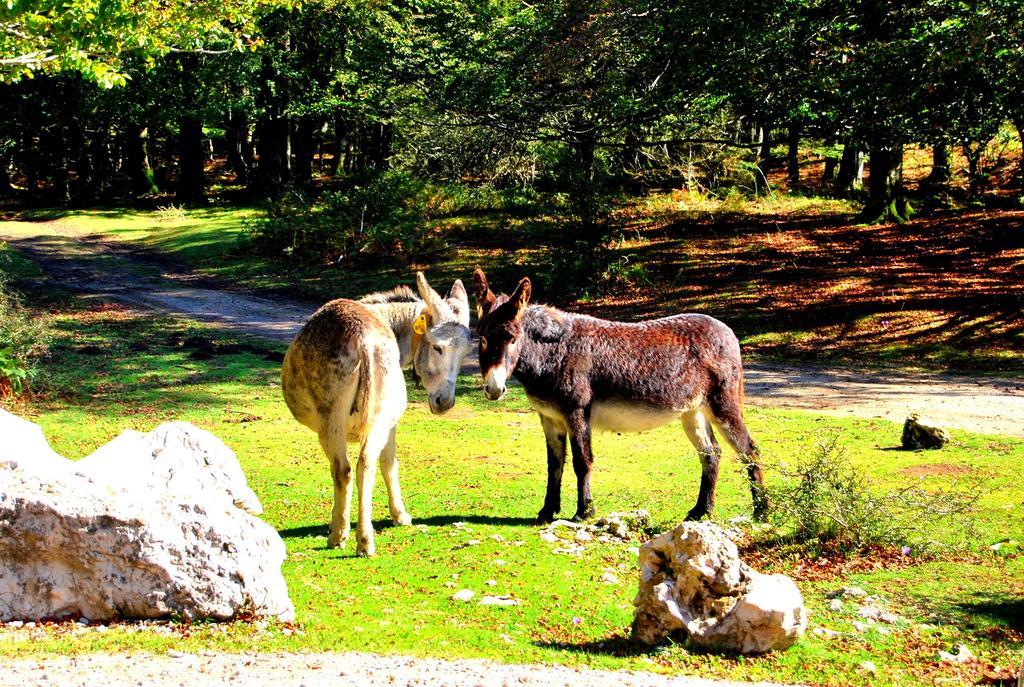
{"x": 121, "y": 272}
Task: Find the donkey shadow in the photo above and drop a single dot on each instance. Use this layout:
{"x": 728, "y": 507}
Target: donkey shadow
{"x": 322, "y": 530}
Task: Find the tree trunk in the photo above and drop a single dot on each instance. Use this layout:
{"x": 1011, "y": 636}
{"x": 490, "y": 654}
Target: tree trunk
{"x": 190, "y": 160}
{"x": 793, "y": 158}
{"x": 582, "y": 191}
{"x": 1018, "y": 123}
{"x": 941, "y": 172}
{"x": 237, "y": 135}
{"x": 28, "y": 154}
{"x": 136, "y": 155}
{"x": 764, "y": 153}
{"x": 851, "y": 171}
{"x": 6, "y": 187}
{"x": 271, "y": 151}
{"x": 886, "y": 200}
{"x": 973, "y": 153}
{"x": 302, "y": 168}
{"x": 828, "y": 174}
{"x": 380, "y": 140}
{"x": 337, "y": 151}
{"x": 99, "y": 152}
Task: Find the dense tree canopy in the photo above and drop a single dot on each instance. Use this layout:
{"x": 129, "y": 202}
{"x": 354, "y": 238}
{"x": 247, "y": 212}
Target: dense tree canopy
{"x": 574, "y": 95}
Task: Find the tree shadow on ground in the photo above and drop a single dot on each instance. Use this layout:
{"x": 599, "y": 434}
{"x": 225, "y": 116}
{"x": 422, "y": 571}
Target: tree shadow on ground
{"x": 999, "y": 609}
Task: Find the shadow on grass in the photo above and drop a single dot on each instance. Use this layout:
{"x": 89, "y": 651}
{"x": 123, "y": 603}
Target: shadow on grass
{"x": 998, "y": 609}
{"x": 431, "y": 521}
{"x": 617, "y": 646}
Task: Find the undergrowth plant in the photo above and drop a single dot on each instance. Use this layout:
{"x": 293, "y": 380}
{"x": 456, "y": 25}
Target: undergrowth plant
{"x": 384, "y": 217}
{"x": 22, "y": 338}
{"x": 827, "y": 502}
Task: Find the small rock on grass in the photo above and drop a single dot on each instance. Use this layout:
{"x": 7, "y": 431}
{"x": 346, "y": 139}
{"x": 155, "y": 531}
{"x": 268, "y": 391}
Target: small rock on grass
{"x": 847, "y": 593}
{"x": 962, "y": 655}
{"x": 463, "y": 595}
{"x": 835, "y": 605}
{"x": 869, "y": 667}
{"x": 504, "y": 600}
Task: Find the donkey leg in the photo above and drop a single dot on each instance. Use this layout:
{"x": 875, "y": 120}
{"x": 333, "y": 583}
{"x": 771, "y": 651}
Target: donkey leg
{"x": 389, "y": 468}
{"x": 726, "y": 415}
{"x": 555, "y": 438}
{"x": 703, "y": 439}
{"x": 376, "y": 439}
{"x": 334, "y": 443}
{"x": 582, "y": 462}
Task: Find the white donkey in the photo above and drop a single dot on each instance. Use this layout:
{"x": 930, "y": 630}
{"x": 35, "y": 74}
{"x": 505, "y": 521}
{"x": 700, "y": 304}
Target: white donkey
{"x": 342, "y": 378}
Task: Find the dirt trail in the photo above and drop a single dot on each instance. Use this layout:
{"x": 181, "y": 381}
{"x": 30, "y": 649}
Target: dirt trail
{"x": 210, "y": 669}
{"x": 110, "y": 271}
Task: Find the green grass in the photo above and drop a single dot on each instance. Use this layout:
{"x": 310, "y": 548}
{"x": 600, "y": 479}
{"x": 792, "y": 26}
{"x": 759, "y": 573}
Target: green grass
{"x": 482, "y": 464}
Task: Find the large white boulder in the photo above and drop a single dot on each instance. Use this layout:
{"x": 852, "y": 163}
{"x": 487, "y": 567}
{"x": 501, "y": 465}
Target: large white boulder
{"x": 694, "y": 588}
{"x": 150, "y": 525}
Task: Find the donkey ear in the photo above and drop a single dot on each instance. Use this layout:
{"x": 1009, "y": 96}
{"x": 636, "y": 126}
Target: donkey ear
{"x": 521, "y": 298}
{"x": 482, "y": 294}
{"x": 438, "y": 309}
{"x": 458, "y": 291}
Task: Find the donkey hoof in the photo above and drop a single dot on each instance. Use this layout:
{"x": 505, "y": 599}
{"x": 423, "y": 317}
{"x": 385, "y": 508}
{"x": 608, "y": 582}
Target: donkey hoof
{"x": 695, "y": 514}
{"x": 365, "y": 550}
{"x": 336, "y": 541}
{"x": 545, "y": 517}
{"x": 402, "y": 519}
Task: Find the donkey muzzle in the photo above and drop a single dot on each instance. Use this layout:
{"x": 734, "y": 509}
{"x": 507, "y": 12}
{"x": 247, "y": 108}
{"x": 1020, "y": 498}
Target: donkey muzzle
{"x": 494, "y": 383}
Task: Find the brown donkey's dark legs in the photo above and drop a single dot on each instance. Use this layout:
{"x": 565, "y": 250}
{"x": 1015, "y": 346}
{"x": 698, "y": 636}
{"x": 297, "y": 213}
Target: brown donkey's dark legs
{"x": 556, "y": 462}
{"x": 727, "y": 417}
{"x": 582, "y": 460}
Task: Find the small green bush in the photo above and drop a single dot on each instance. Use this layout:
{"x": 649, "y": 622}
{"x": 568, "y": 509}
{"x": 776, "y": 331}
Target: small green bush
{"x": 385, "y": 216}
{"x": 827, "y": 502}
{"x": 22, "y": 337}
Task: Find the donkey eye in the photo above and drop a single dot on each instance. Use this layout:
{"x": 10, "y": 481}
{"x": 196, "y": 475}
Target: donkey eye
{"x": 512, "y": 341}
{"x": 438, "y": 349}
{"x": 483, "y": 343}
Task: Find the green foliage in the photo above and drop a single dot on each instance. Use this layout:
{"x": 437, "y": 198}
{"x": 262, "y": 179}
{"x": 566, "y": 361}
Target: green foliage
{"x": 384, "y": 217}
{"x": 22, "y": 336}
{"x": 828, "y": 501}
{"x": 95, "y": 38}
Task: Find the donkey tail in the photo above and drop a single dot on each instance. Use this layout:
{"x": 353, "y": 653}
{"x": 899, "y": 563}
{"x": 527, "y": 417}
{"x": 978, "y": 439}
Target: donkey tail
{"x": 367, "y": 400}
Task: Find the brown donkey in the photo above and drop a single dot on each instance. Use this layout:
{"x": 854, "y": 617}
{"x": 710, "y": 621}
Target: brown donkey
{"x": 342, "y": 378}
{"x": 582, "y": 373}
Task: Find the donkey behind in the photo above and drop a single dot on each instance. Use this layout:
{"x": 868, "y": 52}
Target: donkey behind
{"x": 582, "y": 373}
{"x": 342, "y": 378}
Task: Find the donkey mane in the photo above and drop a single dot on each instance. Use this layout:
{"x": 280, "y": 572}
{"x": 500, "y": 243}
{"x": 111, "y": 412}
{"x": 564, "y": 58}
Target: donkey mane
{"x": 399, "y": 294}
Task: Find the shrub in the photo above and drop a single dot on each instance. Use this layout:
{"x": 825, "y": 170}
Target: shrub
{"x": 382, "y": 217}
{"x": 22, "y": 337}
{"x": 827, "y": 501}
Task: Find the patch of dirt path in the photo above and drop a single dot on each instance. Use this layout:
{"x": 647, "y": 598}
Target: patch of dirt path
{"x": 210, "y": 669}
{"x": 109, "y": 271}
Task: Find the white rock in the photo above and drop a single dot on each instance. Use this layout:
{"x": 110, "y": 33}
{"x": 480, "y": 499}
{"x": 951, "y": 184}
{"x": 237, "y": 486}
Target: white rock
{"x": 693, "y": 585}
{"x": 147, "y": 536}
{"x": 848, "y": 593}
{"x": 499, "y": 601}
{"x": 463, "y": 595}
{"x": 177, "y": 457}
{"x": 835, "y": 605}
{"x": 869, "y": 667}
{"x": 962, "y": 655}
